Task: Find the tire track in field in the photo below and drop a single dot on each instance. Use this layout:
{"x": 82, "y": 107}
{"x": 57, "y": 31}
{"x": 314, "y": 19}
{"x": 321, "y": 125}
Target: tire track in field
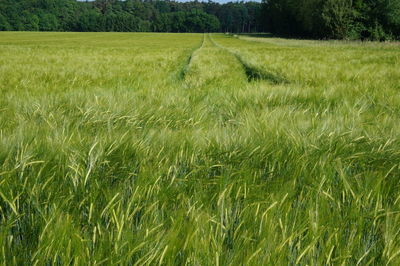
{"x": 252, "y": 71}
{"x": 186, "y": 66}
{"x": 211, "y": 65}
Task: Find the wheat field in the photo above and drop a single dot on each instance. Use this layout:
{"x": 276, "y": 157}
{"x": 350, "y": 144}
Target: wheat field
{"x": 198, "y": 149}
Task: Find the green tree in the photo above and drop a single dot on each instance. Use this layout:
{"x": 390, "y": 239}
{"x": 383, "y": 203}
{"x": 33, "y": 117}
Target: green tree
{"x": 30, "y": 21}
{"x": 47, "y": 22}
{"x": 338, "y": 17}
{"x": 4, "y": 25}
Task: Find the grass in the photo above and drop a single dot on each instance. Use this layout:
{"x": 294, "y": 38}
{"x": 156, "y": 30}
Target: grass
{"x": 139, "y": 149}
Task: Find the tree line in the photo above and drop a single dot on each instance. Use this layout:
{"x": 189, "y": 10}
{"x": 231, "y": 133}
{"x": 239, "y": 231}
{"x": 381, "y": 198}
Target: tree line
{"x": 128, "y": 15}
{"x": 329, "y": 19}
{"x": 334, "y": 19}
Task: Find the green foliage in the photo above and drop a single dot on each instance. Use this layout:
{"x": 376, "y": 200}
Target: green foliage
{"x": 193, "y": 21}
{"x": 48, "y": 22}
{"x": 30, "y": 21}
{"x": 128, "y": 16}
{"x": 337, "y": 15}
{"x": 4, "y": 24}
{"x": 338, "y": 19}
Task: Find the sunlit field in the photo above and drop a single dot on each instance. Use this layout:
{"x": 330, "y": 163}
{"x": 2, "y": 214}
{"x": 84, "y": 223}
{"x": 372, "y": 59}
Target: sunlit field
{"x": 198, "y": 149}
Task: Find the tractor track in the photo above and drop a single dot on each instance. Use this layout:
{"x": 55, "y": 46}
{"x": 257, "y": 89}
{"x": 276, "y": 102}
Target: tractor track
{"x": 252, "y": 71}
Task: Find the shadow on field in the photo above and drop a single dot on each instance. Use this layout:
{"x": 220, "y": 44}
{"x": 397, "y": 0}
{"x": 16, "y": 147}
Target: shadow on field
{"x": 252, "y": 71}
{"x": 186, "y": 65}
{"x": 185, "y": 68}
{"x": 255, "y": 73}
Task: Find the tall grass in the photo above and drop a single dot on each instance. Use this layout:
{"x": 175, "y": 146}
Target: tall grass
{"x": 109, "y": 156}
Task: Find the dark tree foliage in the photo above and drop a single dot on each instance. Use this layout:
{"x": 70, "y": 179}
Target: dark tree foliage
{"x": 339, "y": 19}
{"x": 128, "y": 15}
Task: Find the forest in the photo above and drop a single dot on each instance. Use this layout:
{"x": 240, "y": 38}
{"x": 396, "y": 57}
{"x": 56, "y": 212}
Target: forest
{"x": 333, "y": 19}
{"x": 128, "y": 16}
{"x": 319, "y": 19}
